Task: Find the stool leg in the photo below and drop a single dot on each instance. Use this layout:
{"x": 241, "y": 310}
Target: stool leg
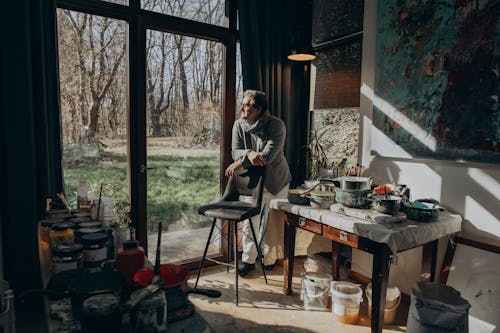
{"x": 228, "y": 245}
{"x": 235, "y": 251}
{"x": 205, "y": 252}
{"x": 260, "y": 257}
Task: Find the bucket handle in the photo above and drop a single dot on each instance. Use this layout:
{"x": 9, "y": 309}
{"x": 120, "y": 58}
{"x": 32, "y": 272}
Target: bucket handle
{"x": 317, "y": 295}
{"x": 396, "y": 305}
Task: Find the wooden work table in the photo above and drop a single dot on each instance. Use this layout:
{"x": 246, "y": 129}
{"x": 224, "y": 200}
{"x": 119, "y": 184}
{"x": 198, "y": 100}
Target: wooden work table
{"x": 381, "y": 240}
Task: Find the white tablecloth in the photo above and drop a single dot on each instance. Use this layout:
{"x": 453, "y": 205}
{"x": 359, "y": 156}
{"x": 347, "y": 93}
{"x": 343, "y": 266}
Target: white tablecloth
{"x": 398, "y": 236}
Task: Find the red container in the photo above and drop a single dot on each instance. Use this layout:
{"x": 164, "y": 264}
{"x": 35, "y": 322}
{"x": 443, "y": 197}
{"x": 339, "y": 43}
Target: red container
{"x": 130, "y": 259}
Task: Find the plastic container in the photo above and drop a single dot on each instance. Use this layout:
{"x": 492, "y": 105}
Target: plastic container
{"x": 130, "y": 259}
{"x": 62, "y": 234}
{"x": 346, "y": 298}
{"x": 315, "y": 287}
{"x": 67, "y": 257}
{"x": 86, "y": 231}
{"x": 95, "y": 250}
{"x": 392, "y": 300}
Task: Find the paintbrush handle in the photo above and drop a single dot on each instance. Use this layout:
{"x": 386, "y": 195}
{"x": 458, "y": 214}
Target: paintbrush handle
{"x": 156, "y": 272}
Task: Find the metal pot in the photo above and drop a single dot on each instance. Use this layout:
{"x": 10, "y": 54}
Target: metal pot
{"x": 355, "y": 183}
{"x": 388, "y": 204}
{"x": 355, "y": 199}
{"x": 322, "y": 199}
{"x": 420, "y": 211}
{"x": 295, "y": 197}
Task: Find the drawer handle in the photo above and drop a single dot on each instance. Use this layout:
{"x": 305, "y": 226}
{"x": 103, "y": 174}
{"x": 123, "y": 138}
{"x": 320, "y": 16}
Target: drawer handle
{"x": 343, "y": 235}
{"x": 302, "y": 221}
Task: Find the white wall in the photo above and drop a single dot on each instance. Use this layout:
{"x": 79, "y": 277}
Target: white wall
{"x": 471, "y": 190}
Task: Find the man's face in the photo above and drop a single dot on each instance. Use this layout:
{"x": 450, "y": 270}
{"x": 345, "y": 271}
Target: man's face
{"x": 249, "y": 112}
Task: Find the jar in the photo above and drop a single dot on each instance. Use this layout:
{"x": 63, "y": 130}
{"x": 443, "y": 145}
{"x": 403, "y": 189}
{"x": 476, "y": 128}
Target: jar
{"x": 44, "y": 248}
{"x": 86, "y": 231}
{"x": 67, "y": 257}
{"x": 95, "y": 251}
{"x": 62, "y": 234}
{"x": 93, "y": 224}
{"x": 130, "y": 259}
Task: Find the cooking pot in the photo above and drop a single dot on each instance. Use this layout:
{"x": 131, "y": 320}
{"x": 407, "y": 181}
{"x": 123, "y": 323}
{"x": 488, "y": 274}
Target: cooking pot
{"x": 96, "y": 283}
{"x": 321, "y": 199}
{"x": 353, "y": 198}
{"x": 355, "y": 183}
{"x": 175, "y": 284}
{"x": 420, "y": 211}
{"x": 388, "y": 204}
{"x": 295, "y": 197}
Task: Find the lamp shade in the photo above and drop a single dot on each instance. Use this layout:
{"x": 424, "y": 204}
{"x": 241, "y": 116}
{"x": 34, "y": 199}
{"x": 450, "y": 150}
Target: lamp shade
{"x": 301, "y": 55}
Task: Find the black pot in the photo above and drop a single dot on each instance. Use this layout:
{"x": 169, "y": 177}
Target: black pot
{"x": 389, "y": 204}
{"x": 92, "y": 284}
{"x": 295, "y": 197}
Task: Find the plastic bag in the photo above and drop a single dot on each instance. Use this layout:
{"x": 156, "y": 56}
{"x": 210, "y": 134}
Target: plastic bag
{"x": 437, "y": 308}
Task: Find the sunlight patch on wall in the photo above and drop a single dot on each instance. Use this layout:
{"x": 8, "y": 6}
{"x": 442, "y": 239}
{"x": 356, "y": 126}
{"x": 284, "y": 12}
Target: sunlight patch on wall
{"x": 486, "y": 181}
{"x": 482, "y": 218}
{"x": 415, "y": 130}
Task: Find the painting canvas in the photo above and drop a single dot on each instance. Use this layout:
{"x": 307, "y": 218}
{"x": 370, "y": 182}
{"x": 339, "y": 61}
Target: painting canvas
{"x": 437, "y": 80}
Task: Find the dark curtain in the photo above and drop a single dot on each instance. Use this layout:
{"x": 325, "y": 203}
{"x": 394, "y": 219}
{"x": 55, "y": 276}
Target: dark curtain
{"x": 267, "y": 33}
{"x": 29, "y": 134}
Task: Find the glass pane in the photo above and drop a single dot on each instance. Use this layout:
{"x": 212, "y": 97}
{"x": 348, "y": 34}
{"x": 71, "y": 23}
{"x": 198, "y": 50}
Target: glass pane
{"x": 93, "y": 96}
{"x": 207, "y": 11}
{"x": 184, "y": 108}
{"x": 119, "y": 2}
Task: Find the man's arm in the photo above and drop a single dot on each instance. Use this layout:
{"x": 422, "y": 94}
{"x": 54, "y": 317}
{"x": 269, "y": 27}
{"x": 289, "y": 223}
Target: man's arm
{"x": 238, "y": 150}
{"x": 275, "y": 140}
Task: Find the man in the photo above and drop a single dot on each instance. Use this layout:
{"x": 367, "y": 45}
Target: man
{"x": 258, "y": 139}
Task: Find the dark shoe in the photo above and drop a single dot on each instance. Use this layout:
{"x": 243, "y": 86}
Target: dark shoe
{"x": 269, "y": 267}
{"x": 245, "y": 269}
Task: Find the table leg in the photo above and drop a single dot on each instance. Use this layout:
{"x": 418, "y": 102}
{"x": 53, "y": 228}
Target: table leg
{"x": 429, "y": 259}
{"x": 380, "y": 276}
{"x": 336, "y": 250}
{"x": 289, "y": 249}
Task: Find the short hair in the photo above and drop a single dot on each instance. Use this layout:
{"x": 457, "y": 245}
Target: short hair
{"x": 258, "y": 98}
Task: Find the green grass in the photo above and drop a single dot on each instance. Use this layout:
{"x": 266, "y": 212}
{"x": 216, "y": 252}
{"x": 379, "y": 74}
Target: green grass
{"x": 180, "y": 181}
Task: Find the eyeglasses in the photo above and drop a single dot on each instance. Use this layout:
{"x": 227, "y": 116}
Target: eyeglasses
{"x": 247, "y": 105}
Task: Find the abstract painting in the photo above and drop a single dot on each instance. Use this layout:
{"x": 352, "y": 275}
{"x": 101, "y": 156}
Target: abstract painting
{"x": 437, "y": 78}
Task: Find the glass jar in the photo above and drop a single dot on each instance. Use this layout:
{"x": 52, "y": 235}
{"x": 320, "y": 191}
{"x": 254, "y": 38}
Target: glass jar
{"x": 67, "y": 257}
{"x": 62, "y": 234}
{"x": 95, "y": 250}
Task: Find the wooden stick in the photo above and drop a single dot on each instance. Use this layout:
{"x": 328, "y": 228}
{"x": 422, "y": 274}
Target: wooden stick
{"x": 99, "y": 204}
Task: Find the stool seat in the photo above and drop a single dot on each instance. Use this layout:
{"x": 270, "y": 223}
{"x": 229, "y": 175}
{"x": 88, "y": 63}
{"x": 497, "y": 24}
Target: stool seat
{"x": 229, "y": 210}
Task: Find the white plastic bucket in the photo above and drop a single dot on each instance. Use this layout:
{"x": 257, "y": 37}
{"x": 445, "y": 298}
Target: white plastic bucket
{"x": 315, "y": 287}
{"x": 346, "y": 297}
{"x": 392, "y": 300}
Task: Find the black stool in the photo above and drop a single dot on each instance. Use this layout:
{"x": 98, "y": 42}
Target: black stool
{"x": 244, "y": 182}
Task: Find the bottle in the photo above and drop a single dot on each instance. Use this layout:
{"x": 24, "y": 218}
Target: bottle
{"x": 130, "y": 259}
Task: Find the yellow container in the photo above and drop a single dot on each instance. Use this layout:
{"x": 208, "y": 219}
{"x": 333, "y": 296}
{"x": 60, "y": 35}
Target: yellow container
{"x": 62, "y": 234}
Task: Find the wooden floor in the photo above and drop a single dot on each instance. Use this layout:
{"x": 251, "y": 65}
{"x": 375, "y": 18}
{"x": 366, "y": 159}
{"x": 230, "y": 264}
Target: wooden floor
{"x": 264, "y": 308}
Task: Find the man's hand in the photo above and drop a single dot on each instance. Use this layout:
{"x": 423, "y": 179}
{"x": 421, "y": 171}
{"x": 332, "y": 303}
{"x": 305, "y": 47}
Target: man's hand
{"x": 231, "y": 169}
{"x": 256, "y": 159}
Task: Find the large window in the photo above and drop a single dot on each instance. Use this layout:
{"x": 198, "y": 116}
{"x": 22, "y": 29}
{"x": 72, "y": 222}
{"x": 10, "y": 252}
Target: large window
{"x": 142, "y": 106}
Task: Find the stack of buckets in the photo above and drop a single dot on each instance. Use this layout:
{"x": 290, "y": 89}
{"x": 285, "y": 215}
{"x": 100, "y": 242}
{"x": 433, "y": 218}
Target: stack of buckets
{"x": 346, "y": 298}
{"x": 392, "y": 300}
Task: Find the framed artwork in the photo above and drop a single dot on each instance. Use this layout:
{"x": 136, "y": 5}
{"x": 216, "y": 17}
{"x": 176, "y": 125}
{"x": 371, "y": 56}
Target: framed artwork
{"x": 436, "y": 92}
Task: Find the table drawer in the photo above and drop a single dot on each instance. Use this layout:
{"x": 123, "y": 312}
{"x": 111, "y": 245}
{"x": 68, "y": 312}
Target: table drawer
{"x": 340, "y": 236}
{"x": 306, "y": 224}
